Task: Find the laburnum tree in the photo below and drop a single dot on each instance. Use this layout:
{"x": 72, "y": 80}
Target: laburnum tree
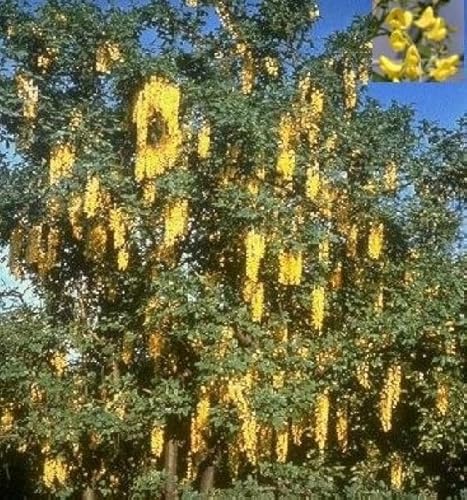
{"x": 246, "y": 274}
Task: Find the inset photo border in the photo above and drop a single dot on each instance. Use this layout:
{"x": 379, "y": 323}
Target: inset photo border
{"x": 418, "y": 41}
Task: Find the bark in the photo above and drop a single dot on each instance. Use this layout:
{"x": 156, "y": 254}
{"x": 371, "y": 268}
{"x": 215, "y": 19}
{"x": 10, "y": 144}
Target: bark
{"x": 171, "y": 455}
{"x": 207, "y": 479}
{"x": 89, "y": 494}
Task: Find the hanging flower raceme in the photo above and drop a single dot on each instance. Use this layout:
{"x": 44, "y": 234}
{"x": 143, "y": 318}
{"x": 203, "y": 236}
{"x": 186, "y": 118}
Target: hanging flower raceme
{"x": 313, "y": 181}
{"x": 92, "y": 201}
{"x": 255, "y": 244}
{"x": 253, "y": 293}
{"x": 62, "y": 159}
{"x": 155, "y": 344}
{"x": 321, "y": 419}
{"x": 312, "y": 108}
{"x": 317, "y": 307}
{"x": 46, "y": 59}
{"x": 397, "y": 472}
{"x": 199, "y": 423}
{"x": 389, "y": 396}
{"x": 282, "y": 444}
{"x": 28, "y": 92}
{"x": 75, "y": 212}
{"x": 336, "y": 277}
{"x": 55, "y": 470}
{"x": 290, "y": 267}
{"x": 157, "y": 440}
{"x": 175, "y": 221}
{"x": 342, "y": 428}
{"x": 350, "y": 88}
{"x": 286, "y": 156}
{"x": 204, "y": 141}
{"x": 158, "y": 132}
{"x": 107, "y": 55}
{"x": 323, "y": 251}
{"x": 363, "y": 374}
{"x": 390, "y": 176}
{"x": 442, "y": 398}
{"x": 96, "y": 242}
{"x": 272, "y": 67}
{"x": 375, "y": 241}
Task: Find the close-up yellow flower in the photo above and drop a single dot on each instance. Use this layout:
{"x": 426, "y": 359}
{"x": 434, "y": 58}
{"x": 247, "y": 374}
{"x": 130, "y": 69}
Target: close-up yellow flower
{"x": 399, "y": 19}
{"x": 445, "y": 68}
{"x": 399, "y": 40}
{"x": 426, "y": 20}
{"x": 438, "y": 32}
{"x": 392, "y": 69}
{"x": 412, "y": 63}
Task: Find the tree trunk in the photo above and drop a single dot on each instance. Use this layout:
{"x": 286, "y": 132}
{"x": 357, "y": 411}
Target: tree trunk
{"x": 171, "y": 454}
{"x": 207, "y": 479}
{"x": 89, "y": 494}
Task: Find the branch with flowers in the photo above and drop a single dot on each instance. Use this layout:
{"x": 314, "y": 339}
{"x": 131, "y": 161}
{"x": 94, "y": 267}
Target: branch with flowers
{"x": 420, "y": 37}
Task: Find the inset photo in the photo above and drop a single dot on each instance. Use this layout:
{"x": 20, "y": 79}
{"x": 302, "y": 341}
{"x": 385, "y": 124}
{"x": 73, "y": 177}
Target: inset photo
{"x": 418, "y": 41}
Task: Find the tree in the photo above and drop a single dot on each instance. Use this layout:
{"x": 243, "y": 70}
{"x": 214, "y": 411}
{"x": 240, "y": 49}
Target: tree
{"x": 247, "y": 271}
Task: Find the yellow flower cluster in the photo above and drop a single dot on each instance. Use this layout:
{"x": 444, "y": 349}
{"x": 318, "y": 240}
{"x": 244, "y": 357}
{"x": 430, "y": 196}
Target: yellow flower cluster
{"x": 45, "y": 60}
{"x": 390, "y": 395}
{"x": 272, "y": 66}
{"x": 442, "y": 398}
{"x": 199, "y": 423}
{"x": 157, "y": 440}
{"x": 204, "y": 141}
{"x": 290, "y": 267}
{"x": 313, "y": 181}
{"x": 97, "y": 241}
{"x": 62, "y": 159}
{"x": 175, "y": 221}
{"x": 75, "y": 210}
{"x": 397, "y": 472}
{"x": 253, "y": 293}
{"x": 55, "y": 470}
{"x": 249, "y": 436}
{"x": 375, "y": 241}
{"x": 59, "y": 363}
{"x": 155, "y": 343}
{"x": 28, "y": 92}
{"x": 323, "y": 251}
{"x": 286, "y": 158}
{"x": 317, "y": 307}
{"x": 390, "y": 176}
{"x": 282, "y": 444}
{"x": 363, "y": 374}
{"x": 158, "y": 132}
{"x": 191, "y": 3}
{"x": 321, "y": 419}
{"x": 118, "y": 222}
{"x": 255, "y": 245}
{"x": 107, "y": 55}
{"x": 433, "y": 29}
{"x": 92, "y": 196}
{"x": 6, "y": 420}
{"x": 312, "y": 108}
{"x": 350, "y": 88}
{"x": 342, "y": 428}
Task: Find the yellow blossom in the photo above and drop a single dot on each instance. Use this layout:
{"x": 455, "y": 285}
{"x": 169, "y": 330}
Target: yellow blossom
{"x": 445, "y": 68}
{"x": 313, "y": 181}
{"x": 290, "y": 267}
{"x": 321, "y": 419}
{"x": 157, "y": 440}
{"x": 442, "y": 398}
{"x": 272, "y": 66}
{"x": 399, "y": 40}
{"x": 427, "y": 19}
{"x": 438, "y": 32}
{"x": 390, "y": 176}
{"x": 392, "y": 69}
{"x": 399, "y": 19}
{"x": 204, "y": 141}
{"x": 318, "y": 307}
{"x": 175, "y": 221}
{"x": 396, "y": 472}
{"x": 254, "y": 246}
{"x": 412, "y": 63}
{"x": 282, "y": 444}
{"x": 107, "y": 55}
{"x": 376, "y": 241}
